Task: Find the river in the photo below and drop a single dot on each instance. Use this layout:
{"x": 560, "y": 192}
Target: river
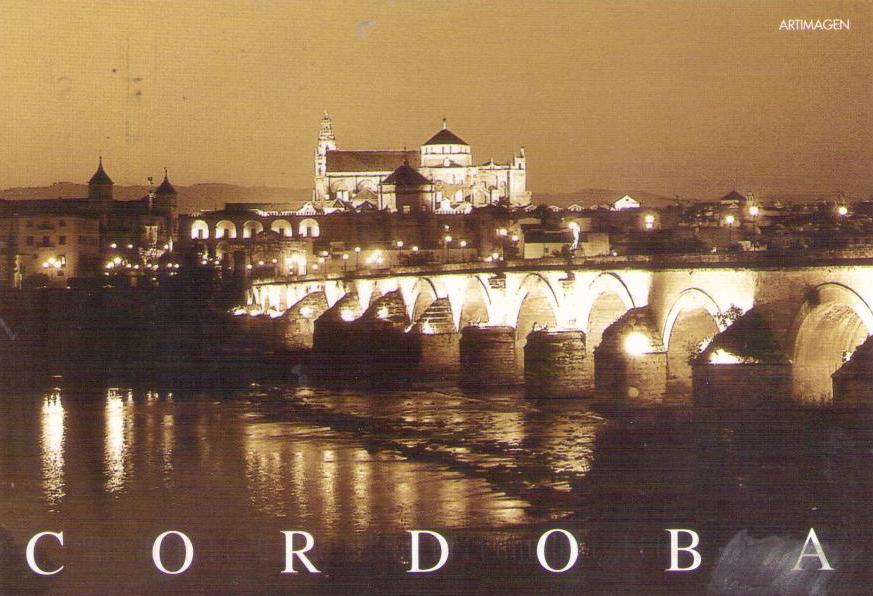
{"x": 115, "y": 467}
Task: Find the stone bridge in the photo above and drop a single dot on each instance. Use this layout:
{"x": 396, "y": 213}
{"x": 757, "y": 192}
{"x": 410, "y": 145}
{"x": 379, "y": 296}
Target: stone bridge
{"x": 732, "y": 328}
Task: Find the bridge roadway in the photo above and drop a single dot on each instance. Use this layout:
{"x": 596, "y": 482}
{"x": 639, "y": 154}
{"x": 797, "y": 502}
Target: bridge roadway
{"x": 730, "y": 328}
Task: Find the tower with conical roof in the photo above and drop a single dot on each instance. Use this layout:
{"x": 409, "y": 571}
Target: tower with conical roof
{"x": 100, "y": 189}
{"x": 166, "y": 201}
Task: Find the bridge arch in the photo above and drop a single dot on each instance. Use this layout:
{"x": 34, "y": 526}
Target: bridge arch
{"x": 693, "y": 320}
{"x": 537, "y": 304}
{"x": 422, "y": 295}
{"x": 476, "y": 305}
{"x": 606, "y": 300}
{"x": 830, "y": 324}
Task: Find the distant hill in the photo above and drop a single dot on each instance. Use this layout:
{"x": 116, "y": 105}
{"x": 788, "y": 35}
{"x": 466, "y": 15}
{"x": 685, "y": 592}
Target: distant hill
{"x": 589, "y": 197}
{"x": 212, "y": 195}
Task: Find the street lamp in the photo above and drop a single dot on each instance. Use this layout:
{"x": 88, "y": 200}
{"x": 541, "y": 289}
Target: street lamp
{"x": 357, "y": 256}
{"x": 446, "y": 241}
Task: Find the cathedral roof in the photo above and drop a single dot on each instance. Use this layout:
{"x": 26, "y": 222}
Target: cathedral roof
{"x": 369, "y": 161}
{"x": 445, "y": 137}
{"x": 406, "y": 175}
{"x": 100, "y": 176}
{"x": 165, "y": 188}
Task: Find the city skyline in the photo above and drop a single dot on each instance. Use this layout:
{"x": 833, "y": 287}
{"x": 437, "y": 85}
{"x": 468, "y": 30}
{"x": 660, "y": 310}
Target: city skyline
{"x": 684, "y": 98}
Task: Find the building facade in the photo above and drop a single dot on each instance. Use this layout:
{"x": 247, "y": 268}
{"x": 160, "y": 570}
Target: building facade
{"x": 48, "y": 242}
{"x": 357, "y": 177}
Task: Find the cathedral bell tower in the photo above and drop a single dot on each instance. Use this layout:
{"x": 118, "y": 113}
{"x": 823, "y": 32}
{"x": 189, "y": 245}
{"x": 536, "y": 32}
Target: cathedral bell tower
{"x": 326, "y": 142}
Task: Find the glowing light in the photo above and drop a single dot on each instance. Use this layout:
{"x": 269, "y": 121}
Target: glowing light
{"x": 382, "y": 313}
{"x": 720, "y": 356}
{"x": 637, "y": 344}
{"x": 842, "y": 210}
{"x": 729, "y": 220}
{"x": 427, "y": 328}
{"x": 753, "y": 210}
{"x": 347, "y": 315}
{"x": 447, "y": 239}
{"x": 345, "y": 256}
{"x": 495, "y": 256}
{"x": 130, "y": 246}
{"x": 650, "y": 219}
{"x": 515, "y": 237}
{"x": 307, "y": 312}
{"x": 502, "y": 232}
{"x": 414, "y": 249}
{"x": 117, "y": 260}
{"x": 400, "y": 244}
{"x": 357, "y": 249}
{"x": 113, "y": 245}
{"x": 463, "y": 244}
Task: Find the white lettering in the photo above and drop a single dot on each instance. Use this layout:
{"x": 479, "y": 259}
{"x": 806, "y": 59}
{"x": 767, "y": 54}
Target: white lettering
{"x": 675, "y": 548}
{"x": 30, "y": 552}
{"x": 156, "y": 552}
{"x": 291, "y": 552}
{"x": 818, "y": 554}
{"x": 541, "y": 551}
{"x": 415, "y": 566}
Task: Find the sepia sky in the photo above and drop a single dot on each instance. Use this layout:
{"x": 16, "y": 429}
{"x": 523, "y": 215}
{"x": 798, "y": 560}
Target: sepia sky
{"x": 674, "y": 97}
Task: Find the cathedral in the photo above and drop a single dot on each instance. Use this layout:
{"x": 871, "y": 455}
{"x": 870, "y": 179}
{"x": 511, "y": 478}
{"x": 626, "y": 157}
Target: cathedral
{"x": 440, "y": 175}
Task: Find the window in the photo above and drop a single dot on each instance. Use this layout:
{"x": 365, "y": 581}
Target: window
{"x": 30, "y": 240}
{"x": 62, "y": 239}
{"x": 46, "y": 241}
{"x": 406, "y": 209}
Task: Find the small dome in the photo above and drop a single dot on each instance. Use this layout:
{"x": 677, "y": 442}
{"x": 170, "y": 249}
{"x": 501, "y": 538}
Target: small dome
{"x": 406, "y": 175}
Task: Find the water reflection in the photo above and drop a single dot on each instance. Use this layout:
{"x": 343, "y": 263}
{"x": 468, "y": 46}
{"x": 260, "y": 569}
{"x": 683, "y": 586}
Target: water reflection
{"x": 118, "y": 438}
{"x": 355, "y": 466}
{"x": 52, "y": 425}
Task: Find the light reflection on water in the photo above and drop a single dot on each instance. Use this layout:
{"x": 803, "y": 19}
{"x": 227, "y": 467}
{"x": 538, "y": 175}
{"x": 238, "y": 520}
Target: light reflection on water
{"x": 346, "y": 466}
{"x": 52, "y": 445}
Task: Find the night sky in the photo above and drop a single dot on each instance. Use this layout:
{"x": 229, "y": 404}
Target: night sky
{"x": 689, "y": 98}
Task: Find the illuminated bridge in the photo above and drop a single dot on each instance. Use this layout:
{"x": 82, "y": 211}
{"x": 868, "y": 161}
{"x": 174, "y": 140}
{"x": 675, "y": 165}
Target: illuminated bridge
{"x": 733, "y": 328}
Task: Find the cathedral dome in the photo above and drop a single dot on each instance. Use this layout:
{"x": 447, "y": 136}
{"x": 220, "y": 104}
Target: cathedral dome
{"x": 445, "y": 137}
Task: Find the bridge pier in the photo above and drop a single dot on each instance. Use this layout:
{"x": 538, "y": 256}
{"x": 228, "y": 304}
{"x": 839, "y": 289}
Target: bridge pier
{"x": 435, "y": 340}
{"x": 487, "y": 356}
{"x": 746, "y": 365}
{"x": 298, "y": 322}
{"x": 554, "y": 364}
{"x": 631, "y": 363}
{"x": 853, "y": 382}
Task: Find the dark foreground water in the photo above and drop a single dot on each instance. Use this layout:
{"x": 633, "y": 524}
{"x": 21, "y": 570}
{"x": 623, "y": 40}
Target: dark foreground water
{"x": 114, "y": 468}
